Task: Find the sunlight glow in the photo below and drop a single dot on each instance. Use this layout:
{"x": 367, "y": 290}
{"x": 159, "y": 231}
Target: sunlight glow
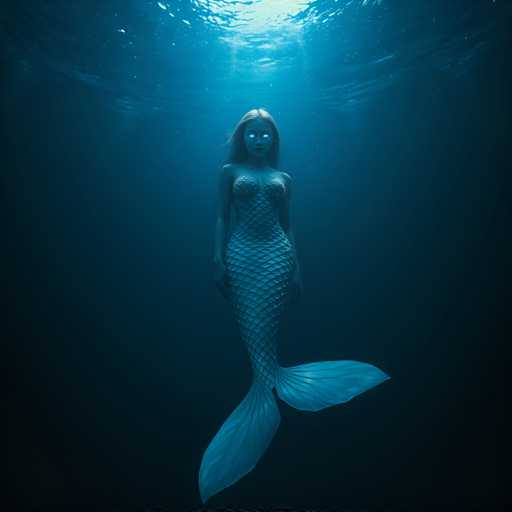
{"x": 255, "y": 16}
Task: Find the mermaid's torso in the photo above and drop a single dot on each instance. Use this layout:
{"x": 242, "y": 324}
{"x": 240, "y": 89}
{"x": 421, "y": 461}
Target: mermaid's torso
{"x": 259, "y": 263}
{"x": 256, "y": 200}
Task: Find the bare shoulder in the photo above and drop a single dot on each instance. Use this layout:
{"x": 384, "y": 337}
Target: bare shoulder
{"x": 227, "y": 172}
{"x": 287, "y": 178}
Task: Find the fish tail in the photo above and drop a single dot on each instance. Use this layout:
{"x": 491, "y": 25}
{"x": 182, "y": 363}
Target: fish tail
{"x": 315, "y": 386}
{"x": 241, "y": 441}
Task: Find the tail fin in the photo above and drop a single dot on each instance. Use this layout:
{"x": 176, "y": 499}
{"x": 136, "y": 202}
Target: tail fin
{"x": 314, "y": 386}
{"x": 240, "y": 442}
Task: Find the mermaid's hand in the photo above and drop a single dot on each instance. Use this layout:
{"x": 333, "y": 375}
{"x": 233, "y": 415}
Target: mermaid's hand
{"x": 220, "y": 277}
{"x": 296, "y": 288}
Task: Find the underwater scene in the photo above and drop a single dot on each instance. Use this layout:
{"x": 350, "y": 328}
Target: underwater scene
{"x": 255, "y": 253}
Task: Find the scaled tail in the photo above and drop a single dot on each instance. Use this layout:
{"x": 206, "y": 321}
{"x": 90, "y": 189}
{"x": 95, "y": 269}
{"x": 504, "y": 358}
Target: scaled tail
{"x": 314, "y": 386}
{"x": 240, "y": 442}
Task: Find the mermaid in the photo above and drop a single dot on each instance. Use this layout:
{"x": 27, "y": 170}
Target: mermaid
{"x": 257, "y": 271}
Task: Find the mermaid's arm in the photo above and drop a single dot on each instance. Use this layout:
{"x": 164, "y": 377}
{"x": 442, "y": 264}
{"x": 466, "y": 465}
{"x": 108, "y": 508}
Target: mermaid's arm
{"x": 222, "y": 224}
{"x": 292, "y": 241}
{"x": 284, "y": 220}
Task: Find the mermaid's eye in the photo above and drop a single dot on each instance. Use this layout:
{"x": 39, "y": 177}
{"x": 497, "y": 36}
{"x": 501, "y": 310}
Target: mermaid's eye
{"x": 251, "y": 135}
{"x": 266, "y": 135}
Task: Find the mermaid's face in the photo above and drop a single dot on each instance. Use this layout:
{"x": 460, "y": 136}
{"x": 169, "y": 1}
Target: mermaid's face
{"x": 258, "y": 137}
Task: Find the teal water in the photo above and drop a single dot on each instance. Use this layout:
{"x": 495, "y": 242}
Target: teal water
{"x": 395, "y": 125}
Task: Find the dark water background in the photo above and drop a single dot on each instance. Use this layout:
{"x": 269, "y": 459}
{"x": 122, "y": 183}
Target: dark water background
{"x": 395, "y": 125}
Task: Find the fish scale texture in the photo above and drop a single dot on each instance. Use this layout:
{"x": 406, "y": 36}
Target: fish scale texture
{"x": 259, "y": 263}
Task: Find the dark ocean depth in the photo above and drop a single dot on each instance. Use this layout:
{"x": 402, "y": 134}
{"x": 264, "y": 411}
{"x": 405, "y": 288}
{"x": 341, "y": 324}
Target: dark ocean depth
{"x": 124, "y": 359}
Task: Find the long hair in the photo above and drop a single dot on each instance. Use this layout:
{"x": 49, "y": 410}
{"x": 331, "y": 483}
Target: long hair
{"x": 238, "y": 150}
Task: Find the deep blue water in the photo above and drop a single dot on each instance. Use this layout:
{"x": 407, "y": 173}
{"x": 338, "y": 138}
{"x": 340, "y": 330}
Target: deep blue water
{"x": 394, "y": 119}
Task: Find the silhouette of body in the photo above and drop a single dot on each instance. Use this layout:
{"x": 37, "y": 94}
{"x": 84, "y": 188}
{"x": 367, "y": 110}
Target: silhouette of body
{"x": 257, "y": 270}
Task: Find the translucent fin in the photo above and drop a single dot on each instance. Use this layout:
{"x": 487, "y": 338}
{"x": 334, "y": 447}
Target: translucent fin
{"x": 240, "y": 442}
{"x": 314, "y": 386}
